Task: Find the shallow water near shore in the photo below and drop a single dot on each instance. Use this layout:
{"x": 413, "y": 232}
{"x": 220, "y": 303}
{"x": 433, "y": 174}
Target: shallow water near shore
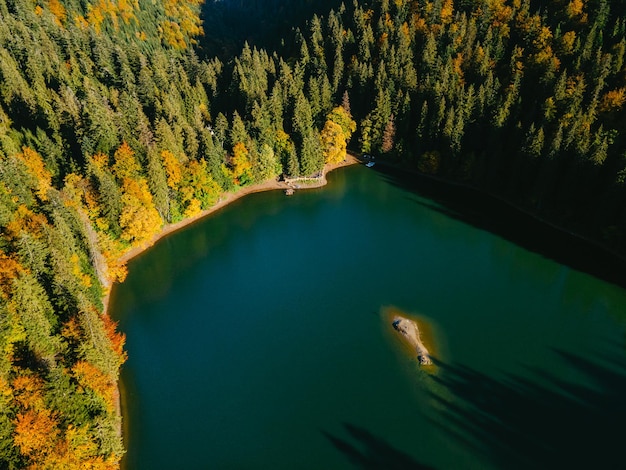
{"x": 255, "y": 340}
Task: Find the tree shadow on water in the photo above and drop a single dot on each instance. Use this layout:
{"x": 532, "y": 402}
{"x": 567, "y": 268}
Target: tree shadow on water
{"x": 539, "y": 421}
{"x": 497, "y": 216}
{"x": 367, "y": 451}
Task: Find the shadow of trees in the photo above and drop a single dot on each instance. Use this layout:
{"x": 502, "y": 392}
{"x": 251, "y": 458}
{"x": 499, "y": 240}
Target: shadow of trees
{"x": 541, "y": 421}
{"x": 530, "y": 421}
{"x": 368, "y": 451}
{"x": 501, "y": 218}
{"x": 228, "y": 24}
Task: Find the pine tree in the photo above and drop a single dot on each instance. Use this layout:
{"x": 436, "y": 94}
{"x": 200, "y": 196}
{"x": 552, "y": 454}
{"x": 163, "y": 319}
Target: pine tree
{"x": 389, "y": 135}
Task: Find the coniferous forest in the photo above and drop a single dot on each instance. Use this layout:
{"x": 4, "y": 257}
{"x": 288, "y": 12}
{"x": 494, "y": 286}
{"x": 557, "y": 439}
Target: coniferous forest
{"x": 120, "y": 116}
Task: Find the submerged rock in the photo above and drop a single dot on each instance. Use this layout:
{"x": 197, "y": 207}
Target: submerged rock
{"x": 409, "y": 330}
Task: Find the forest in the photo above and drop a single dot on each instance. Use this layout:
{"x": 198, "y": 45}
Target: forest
{"x": 118, "y": 117}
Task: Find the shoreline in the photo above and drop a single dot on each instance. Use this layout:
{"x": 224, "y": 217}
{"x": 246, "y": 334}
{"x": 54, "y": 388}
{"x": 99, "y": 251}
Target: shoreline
{"x": 227, "y": 198}
{"x": 224, "y": 200}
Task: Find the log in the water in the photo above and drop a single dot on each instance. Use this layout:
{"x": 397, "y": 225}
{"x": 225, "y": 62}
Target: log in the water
{"x": 409, "y": 330}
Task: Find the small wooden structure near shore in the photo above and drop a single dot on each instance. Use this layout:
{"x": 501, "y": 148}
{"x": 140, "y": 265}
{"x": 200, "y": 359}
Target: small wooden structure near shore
{"x": 289, "y": 191}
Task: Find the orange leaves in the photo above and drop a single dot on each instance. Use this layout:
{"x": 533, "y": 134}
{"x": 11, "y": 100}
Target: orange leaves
{"x": 117, "y": 339}
{"x": 126, "y": 10}
{"x": 543, "y": 38}
{"x": 28, "y": 392}
{"x": 93, "y": 378}
{"x": 613, "y": 100}
{"x": 95, "y": 17}
{"x": 36, "y": 168}
{"x": 35, "y": 432}
{"x": 58, "y": 10}
{"x": 71, "y": 330}
{"x": 502, "y": 14}
{"x": 9, "y": 269}
{"x": 116, "y": 271}
{"x": 77, "y": 451}
{"x": 100, "y": 160}
{"x": 172, "y": 35}
{"x": 183, "y": 23}
{"x": 112, "y": 251}
{"x": 111, "y": 10}
{"x": 35, "y": 426}
{"x": 406, "y": 33}
{"x": 38, "y": 434}
{"x": 419, "y": 23}
{"x": 447, "y": 11}
{"x": 25, "y": 220}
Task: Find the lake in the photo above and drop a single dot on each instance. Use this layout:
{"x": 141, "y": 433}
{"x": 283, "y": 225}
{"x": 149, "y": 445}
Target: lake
{"x": 257, "y": 338}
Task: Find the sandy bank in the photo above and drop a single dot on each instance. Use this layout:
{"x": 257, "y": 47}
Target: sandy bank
{"x": 227, "y": 198}
{"x": 410, "y": 332}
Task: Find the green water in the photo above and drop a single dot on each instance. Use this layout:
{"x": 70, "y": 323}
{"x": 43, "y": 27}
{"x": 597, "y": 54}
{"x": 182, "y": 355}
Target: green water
{"x": 256, "y": 340}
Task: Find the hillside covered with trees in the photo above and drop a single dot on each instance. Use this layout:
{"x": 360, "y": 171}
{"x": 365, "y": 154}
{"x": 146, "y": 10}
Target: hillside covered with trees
{"x": 114, "y": 122}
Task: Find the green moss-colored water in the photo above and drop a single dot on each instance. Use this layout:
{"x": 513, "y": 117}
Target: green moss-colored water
{"x": 255, "y": 340}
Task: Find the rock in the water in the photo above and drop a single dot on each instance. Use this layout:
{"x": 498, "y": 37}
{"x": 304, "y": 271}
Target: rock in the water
{"x": 410, "y": 332}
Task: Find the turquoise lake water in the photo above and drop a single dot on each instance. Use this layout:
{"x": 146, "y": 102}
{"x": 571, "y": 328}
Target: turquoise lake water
{"x": 256, "y": 339}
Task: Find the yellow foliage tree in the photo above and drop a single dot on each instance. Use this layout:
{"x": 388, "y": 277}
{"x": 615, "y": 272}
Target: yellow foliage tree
{"x": 336, "y": 134}
{"x": 37, "y": 169}
{"x": 613, "y": 100}
{"x": 26, "y": 221}
{"x": 139, "y": 219}
{"x": 333, "y": 143}
{"x": 447, "y": 10}
{"x": 173, "y": 169}
{"x": 240, "y": 164}
{"x": 340, "y": 116}
{"x": 194, "y": 207}
{"x": 575, "y": 10}
{"x": 58, "y": 10}
{"x": 567, "y": 42}
{"x": 125, "y": 164}
{"x": 198, "y": 190}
